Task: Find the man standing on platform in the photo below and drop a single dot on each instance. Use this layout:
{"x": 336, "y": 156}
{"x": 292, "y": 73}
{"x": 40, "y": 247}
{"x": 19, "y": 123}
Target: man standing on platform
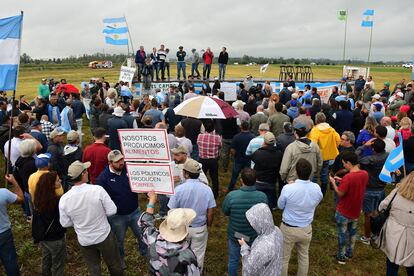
{"x": 222, "y": 60}
{"x": 140, "y": 61}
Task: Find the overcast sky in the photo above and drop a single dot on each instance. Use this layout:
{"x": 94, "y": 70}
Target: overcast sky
{"x": 271, "y": 28}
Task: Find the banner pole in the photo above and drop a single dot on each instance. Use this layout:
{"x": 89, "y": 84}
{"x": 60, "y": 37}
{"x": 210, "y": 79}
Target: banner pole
{"x": 129, "y": 34}
{"x": 346, "y": 21}
{"x": 370, "y": 44}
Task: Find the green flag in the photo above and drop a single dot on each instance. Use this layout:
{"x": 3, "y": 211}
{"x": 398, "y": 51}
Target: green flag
{"x": 342, "y": 15}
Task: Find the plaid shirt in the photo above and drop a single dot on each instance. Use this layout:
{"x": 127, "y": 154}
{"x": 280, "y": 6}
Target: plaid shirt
{"x": 209, "y": 145}
{"x": 47, "y": 128}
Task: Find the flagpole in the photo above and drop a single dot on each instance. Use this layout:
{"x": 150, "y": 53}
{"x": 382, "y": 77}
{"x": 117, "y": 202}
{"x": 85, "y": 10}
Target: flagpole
{"x": 346, "y": 21}
{"x": 13, "y": 99}
{"x": 129, "y": 34}
{"x": 370, "y": 44}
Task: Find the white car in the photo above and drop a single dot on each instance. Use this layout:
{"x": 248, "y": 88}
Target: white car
{"x": 408, "y": 65}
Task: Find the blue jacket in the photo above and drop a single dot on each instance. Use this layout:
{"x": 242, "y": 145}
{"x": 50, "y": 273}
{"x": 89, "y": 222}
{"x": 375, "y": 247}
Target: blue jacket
{"x": 78, "y": 109}
{"x": 114, "y": 124}
{"x": 139, "y": 58}
{"x": 49, "y": 113}
{"x": 117, "y": 186}
{"x": 343, "y": 121}
{"x": 42, "y": 140}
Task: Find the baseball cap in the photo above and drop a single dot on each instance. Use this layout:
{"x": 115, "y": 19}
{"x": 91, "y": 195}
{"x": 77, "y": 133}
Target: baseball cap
{"x": 400, "y": 94}
{"x": 180, "y": 149}
{"x": 387, "y": 83}
{"x": 42, "y": 160}
{"x": 376, "y": 96}
{"x": 299, "y": 125}
{"x": 269, "y": 138}
{"x": 35, "y": 123}
{"x": 192, "y": 166}
{"x": 72, "y": 136}
{"x": 264, "y": 126}
{"x": 56, "y": 132}
{"x": 76, "y": 168}
{"x": 343, "y": 79}
{"x": 115, "y": 156}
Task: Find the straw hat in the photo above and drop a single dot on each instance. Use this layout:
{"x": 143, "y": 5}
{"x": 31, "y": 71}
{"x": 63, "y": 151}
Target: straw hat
{"x": 175, "y": 227}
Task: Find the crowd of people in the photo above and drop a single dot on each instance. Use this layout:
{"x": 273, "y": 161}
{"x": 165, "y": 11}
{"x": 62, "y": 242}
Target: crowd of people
{"x": 287, "y": 149}
{"x": 157, "y": 63}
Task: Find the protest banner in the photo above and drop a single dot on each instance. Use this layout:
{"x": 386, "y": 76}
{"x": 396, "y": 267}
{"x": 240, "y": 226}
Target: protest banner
{"x": 144, "y": 144}
{"x": 163, "y": 86}
{"x": 127, "y": 74}
{"x": 230, "y": 91}
{"x": 146, "y": 177}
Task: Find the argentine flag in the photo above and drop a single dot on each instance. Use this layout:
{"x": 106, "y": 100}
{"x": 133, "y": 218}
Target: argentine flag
{"x": 10, "y": 34}
{"x": 395, "y": 160}
{"x": 367, "y": 20}
{"x": 116, "y": 31}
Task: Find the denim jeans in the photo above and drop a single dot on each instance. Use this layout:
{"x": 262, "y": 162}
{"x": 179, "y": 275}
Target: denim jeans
{"x": 206, "y": 71}
{"x": 180, "y": 67}
{"x": 211, "y": 166}
{"x": 194, "y": 68}
{"x": 194, "y": 153}
{"x": 8, "y": 254}
{"x": 167, "y": 68}
{"x": 234, "y": 257}
{"x": 120, "y": 224}
{"x": 392, "y": 269}
{"x": 324, "y": 176}
{"x": 161, "y": 67}
{"x": 163, "y": 199}
{"x": 225, "y": 153}
{"x": 271, "y": 196}
{"x": 53, "y": 257}
{"x": 222, "y": 71}
{"x": 27, "y": 204}
{"x": 140, "y": 66}
{"x": 347, "y": 230}
{"x": 237, "y": 167}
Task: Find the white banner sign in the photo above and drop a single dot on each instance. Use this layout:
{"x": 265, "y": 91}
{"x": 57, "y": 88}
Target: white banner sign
{"x": 230, "y": 91}
{"x": 146, "y": 177}
{"x": 144, "y": 144}
{"x": 127, "y": 74}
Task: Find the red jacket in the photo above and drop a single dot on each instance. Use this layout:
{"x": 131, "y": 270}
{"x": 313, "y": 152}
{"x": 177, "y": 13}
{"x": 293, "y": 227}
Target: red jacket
{"x": 97, "y": 154}
{"x": 208, "y": 57}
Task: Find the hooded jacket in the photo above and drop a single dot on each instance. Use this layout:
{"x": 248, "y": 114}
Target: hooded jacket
{"x": 301, "y": 148}
{"x": 265, "y": 255}
{"x": 327, "y": 139}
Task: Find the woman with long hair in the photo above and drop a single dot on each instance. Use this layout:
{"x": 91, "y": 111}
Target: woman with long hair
{"x": 366, "y": 134}
{"x": 46, "y": 228}
{"x": 396, "y": 238}
{"x": 405, "y": 130}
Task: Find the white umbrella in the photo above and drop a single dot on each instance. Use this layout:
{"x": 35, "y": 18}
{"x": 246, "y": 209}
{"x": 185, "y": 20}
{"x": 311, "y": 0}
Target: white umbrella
{"x": 203, "y": 107}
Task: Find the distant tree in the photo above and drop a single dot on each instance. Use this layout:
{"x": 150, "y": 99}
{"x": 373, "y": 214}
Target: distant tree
{"x": 25, "y": 58}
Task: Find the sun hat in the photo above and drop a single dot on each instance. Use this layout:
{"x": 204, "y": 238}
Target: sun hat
{"x": 42, "y": 160}
{"x": 115, "y": 156}
{"x": 56, "y": 132}
{"x": 192, "y": 166}
{"x": 76, "y": 168}
{"x": 269, "y": 138}
{"x": 72, "y": 136}
{"x": 175, "y": 227}
{"x": 118, "y": 111}
{"x": 180, "y": 149}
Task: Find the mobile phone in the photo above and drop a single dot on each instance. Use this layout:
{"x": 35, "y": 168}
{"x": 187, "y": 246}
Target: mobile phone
{"x": 240, "y": 236}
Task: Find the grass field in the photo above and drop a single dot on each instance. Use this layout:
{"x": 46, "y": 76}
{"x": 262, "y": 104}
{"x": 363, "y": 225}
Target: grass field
{"x": 366, "y": 261}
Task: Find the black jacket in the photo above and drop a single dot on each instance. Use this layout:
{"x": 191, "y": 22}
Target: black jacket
{"x": 56, "y": 161}
{"x": 267, "y": 162}
{"x": 223, "y": 58}
{"x": 373, "y": 165}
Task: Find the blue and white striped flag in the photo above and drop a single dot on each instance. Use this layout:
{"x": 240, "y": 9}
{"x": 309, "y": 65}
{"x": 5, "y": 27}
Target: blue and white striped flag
{"x": 368, "y": 20}
{"x": 116, "y": 31}
{"x": 395, "y": 160}
{"x": 10, "y": 34}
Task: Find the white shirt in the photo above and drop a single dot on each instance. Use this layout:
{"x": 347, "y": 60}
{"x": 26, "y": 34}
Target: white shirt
{"x": 389, "y": 144}
{"x": 86, "y": 208}
{"x": 184, "y": 141}
{"x": 390, "y": 132}
{"x": 15, "y": 149}
{"x": 298, "y": 201}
